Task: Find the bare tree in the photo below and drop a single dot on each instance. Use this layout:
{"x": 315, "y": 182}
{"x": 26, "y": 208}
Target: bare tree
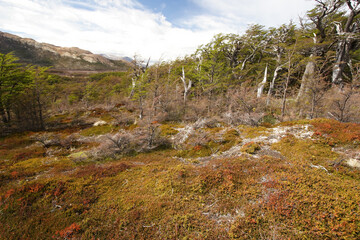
{"x": 279, "y": 37}
{"x": 317, "y": 90}
{"x": 152, "y": 134}
{"x": 120, "y": 141}
{"x": 341, "y": 106}
{"x": 138, "y": 71}
{"x": 187, "y": 86}
{"x": 308, "y": 75}
{"x": 262, "y": 83}
{"x": 292, "y": 64}
{"x": 347, "y": 34}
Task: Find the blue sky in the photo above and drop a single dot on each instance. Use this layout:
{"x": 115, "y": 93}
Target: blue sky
{"x": 172, "y": 9}
{"x": 160, "y": 29}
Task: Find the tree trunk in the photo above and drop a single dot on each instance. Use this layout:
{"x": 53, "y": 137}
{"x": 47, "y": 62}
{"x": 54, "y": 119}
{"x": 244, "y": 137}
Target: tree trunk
{"x": 133, "y": 85}
{"x": 307, "y": 78}
{"x": 342, "y": 59}
{"x": 41, "y": 119}
{"x": 272, "y": 85}
{"x": 186, "y": 86}
{"x": 346, "y": 37}
{"x": 262, "y": 84}
{"x": 3, "y": 114}
{"x": 284, "y": 96}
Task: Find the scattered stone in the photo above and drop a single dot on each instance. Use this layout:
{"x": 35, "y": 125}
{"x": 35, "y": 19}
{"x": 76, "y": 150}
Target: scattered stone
{"x": 99, "y": 123}
{"x": 319, "y": 167}
{"x": 352, "y": 162}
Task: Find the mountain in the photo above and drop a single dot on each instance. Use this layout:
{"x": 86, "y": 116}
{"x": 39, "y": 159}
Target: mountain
{"x": 60, "y": 58}
{"x": 127, "y": 59}
{"x": 114, "y": 57}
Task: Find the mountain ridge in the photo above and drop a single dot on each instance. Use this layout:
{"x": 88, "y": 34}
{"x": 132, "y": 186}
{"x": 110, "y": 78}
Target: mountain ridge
{"x": 30, "y": 51}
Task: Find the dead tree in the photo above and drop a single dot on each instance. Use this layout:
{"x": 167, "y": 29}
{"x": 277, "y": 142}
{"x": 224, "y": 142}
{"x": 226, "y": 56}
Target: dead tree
{"x": 138, "y": 71}
{"x": 341, "y": 106}
{"x": 262, "y": 84}
{"x": 347, "y": 34}
{"x": 187, "y": 86}
{"x": 279, "y": 38}
{"x": 308, "y": 75}
{"x": 120, "y": 142}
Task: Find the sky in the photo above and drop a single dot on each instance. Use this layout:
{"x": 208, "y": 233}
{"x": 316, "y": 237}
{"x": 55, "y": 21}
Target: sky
{"x": 160, "y": 29}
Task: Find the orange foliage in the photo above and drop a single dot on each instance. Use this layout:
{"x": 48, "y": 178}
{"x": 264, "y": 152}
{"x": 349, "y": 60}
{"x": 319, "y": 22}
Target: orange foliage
{"x": 339, "y": 132}
{"x": 60, "y": 189}
{"x": 14, "y": 174}
{"x": 35, "y": 188}
{"x": 9, "y": 193}
{"x": 68, "y": 231}
{"x": 197, "y": 148}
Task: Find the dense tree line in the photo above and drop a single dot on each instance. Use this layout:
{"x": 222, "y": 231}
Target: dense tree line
{"x": 305, "y": 71}
{"x": 23, "y": 90}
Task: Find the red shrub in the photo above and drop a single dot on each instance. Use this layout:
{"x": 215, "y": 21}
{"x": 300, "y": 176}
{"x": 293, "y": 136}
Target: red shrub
{"x": 9, "y": 193}
{"x": 197, "y": 148}
{"x": 68, "y": 231}
{"x": 14, "y": 174}
{"x": 35, "y": 188}
{"x": 339, "y": 132}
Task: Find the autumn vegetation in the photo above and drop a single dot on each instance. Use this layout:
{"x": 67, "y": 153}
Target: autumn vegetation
{"x": 254, "y": 136}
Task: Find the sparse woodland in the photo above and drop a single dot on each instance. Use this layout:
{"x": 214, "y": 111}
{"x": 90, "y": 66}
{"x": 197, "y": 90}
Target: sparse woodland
{"x": 253, "y": 136}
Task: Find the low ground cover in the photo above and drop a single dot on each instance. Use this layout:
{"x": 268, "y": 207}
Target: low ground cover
{"x": 287, "y": 181}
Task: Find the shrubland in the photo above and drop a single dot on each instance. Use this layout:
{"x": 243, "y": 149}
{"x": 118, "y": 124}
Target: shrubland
{"x": 251, "y": 137}
{"x": 290, "y": 180}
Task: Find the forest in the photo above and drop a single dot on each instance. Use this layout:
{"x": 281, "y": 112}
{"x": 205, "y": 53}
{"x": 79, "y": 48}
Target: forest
{"x": 253, "y": 136}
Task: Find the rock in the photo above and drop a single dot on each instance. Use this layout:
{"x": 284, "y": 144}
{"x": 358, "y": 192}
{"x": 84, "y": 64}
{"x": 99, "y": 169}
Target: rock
{"x": 99, "y": 123}
{"x": 352, "y": 162}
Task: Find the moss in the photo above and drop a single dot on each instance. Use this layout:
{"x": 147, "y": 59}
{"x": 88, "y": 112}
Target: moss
{"x": 58, "y": 117}
{"x": 195, "y": 152}
{"x": 135, "y": 196}
{"x": 168, "y": 130}
{"x": 301, "y": 151}
{"x": 79, "y": 156}
{"x": 131, "y": 127}
{"x": 231, "y": 135}
{"x": 268, "y": 120}
{"x": 213, "y": 130}
{"x": 250, "y": 147}
{"x": 107, "y": 117}
{"x": 253, "y": 132}
{"x": 96, "y": 130}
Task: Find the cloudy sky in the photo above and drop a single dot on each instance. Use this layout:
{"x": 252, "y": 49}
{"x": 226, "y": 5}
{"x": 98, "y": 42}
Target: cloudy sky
{"x": 160, "y": 29}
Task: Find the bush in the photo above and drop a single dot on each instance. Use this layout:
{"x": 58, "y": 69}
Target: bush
{"x": 250, "y": 147}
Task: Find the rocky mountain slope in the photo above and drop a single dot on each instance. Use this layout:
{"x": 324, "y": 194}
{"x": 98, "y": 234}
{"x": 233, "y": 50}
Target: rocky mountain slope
{"x": 60, "y": 58}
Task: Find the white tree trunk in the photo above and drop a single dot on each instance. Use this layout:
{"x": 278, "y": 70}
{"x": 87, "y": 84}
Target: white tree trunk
{"x": 262, "y": 84}
{"x": 307, "y": 78}
{"x": 342, "y": 59}
{"x": 272, "y": 85}
{"x": 187, "y": 86}
{"x": 133, "y": 85}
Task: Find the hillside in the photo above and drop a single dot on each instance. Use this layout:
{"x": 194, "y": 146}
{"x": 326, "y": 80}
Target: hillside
{"x": 203, "y": 180}
{"x": 60, "y": 58}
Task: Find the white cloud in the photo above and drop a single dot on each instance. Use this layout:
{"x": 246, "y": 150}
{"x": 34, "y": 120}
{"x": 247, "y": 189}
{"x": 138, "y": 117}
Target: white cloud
{"x": 126, "y": 27}
{"x": 264, "y": 12}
